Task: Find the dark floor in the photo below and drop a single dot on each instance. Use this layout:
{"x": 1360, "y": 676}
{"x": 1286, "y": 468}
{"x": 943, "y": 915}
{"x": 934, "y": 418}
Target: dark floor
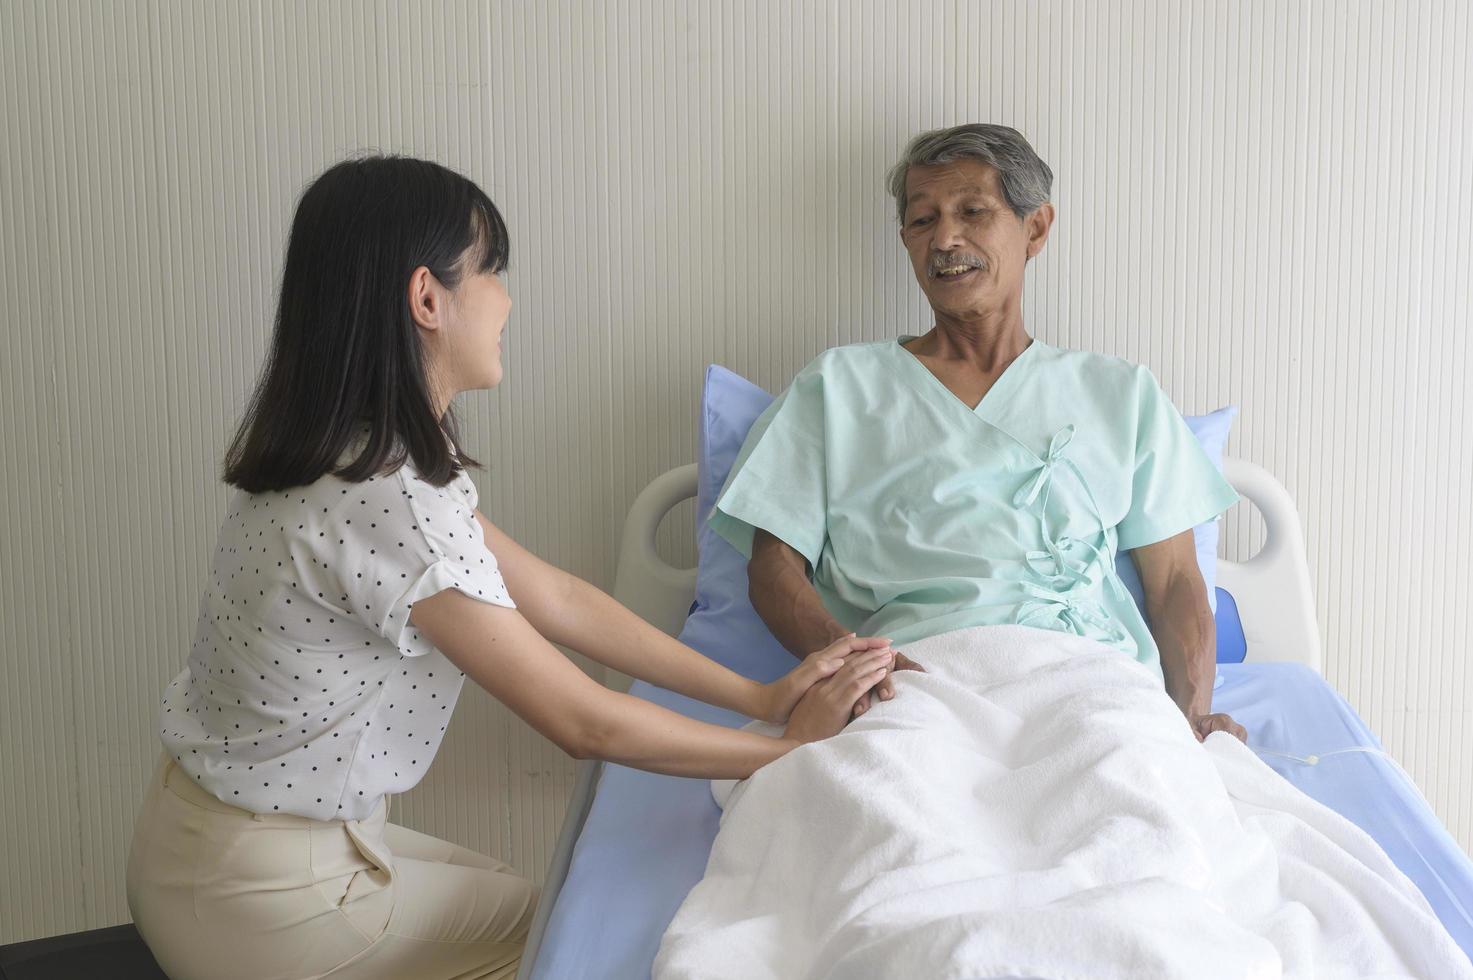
{"x": 116, "y": 953}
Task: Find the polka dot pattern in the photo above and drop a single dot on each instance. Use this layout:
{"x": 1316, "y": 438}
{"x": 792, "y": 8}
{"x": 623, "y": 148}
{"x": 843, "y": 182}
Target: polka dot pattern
{"x": 307, "y": 689}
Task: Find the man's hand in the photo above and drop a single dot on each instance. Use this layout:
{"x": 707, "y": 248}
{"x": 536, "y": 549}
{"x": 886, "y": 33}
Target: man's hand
{"x": 1205, "y": 724}
{"x": 885, "y": 690}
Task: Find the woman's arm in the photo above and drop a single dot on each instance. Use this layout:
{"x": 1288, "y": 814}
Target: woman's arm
{"x": 501, "y": 651}
{"x": 569, "y": 611}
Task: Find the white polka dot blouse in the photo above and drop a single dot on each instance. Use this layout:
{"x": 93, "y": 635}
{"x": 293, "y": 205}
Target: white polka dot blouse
{"x": 308, "y": 691}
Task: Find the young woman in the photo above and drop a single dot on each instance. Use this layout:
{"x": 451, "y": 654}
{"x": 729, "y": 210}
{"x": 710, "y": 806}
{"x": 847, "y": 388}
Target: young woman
{"x": 355, "y": 584}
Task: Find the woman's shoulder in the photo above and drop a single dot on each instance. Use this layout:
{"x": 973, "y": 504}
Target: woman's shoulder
{"x": 332, "y": 491}
{"x": 391, "y": 496}
{"x": 458, "y": 493}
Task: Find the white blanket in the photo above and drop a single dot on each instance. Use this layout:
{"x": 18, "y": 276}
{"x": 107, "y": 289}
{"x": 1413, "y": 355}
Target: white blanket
{"x": 1035, "y": 806}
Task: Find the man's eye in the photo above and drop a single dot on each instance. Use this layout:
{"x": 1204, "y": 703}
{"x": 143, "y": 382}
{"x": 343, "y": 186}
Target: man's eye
{"x": 919, "y": 221}
{"x": 975, "y": 210}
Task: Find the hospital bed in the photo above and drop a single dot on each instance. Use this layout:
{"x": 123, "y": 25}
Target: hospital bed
{"x": 634, "y": 843}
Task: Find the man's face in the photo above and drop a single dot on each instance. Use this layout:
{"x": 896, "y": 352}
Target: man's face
{"x": 966, "y": 245}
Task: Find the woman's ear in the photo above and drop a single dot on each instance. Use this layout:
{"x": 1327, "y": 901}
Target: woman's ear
{"x": 426, "y": 299}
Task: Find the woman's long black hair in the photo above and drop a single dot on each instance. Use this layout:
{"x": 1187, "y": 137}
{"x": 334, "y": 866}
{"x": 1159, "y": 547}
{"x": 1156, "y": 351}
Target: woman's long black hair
{"x": 345, "y": 352}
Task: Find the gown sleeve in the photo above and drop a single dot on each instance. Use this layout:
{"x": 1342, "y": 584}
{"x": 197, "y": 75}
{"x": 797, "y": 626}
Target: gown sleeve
{"x": 1173, "y": 486}
{"x": 778, "y": 482}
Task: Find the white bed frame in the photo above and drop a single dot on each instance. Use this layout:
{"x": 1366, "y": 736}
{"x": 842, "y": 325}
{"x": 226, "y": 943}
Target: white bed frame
{"x": 1272, "y": 590}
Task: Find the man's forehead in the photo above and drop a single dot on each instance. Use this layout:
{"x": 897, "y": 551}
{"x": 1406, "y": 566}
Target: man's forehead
{"x": 957, "y": 189}
{"x": 956, "y": 178}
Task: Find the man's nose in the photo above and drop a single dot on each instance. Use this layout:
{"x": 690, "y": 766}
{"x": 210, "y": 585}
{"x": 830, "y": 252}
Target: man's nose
{"x": 946, "y": 234}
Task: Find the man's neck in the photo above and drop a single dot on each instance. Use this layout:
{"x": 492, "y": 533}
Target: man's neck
{"x": 986, "y": 344}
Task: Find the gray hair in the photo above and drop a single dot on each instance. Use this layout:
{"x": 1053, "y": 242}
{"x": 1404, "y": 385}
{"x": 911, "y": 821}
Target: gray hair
{"x": 1025, "y": 178}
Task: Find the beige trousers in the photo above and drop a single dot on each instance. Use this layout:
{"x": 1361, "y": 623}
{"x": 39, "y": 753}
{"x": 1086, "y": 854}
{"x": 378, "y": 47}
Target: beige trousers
{"x": 217, "y": 891}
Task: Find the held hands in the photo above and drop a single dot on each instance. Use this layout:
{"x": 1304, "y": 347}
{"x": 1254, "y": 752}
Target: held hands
{"x": 885, "y": 690}
{"x": 775, "y": 701}
{"x": 827, "y": 706}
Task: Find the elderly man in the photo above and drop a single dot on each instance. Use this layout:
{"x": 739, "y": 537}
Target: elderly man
{"x": 975, "y": 475}
{"x": 1033, "y": 804}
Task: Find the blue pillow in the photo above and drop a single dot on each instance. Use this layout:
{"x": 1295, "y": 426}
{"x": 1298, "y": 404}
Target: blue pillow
{"x": 730, "y": 405}
{"x": 723, "y": 625}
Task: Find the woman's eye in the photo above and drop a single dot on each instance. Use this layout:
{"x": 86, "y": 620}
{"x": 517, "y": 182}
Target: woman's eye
{"x": 919, "y": 221}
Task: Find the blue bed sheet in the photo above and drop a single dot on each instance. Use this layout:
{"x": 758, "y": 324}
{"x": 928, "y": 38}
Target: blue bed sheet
{"x": 647, "y": 837}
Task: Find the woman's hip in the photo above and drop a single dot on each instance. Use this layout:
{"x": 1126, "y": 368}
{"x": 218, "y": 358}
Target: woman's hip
{"x": 218, "y": 891}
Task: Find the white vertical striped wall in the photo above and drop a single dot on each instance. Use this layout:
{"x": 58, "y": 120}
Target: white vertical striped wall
{"x": 1267, "y": 202}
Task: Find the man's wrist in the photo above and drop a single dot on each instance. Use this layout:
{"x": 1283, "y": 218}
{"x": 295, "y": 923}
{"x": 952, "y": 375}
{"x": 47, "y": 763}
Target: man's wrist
{"x": 831, "y": 633}
{"x": 1190, "y": 685}
{"x": 1192, "y": 702}
{"x": 818, "y": 637}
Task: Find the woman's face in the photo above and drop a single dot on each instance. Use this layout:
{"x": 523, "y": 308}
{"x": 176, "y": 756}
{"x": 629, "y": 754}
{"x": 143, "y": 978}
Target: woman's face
{"x": 478, "y": 311}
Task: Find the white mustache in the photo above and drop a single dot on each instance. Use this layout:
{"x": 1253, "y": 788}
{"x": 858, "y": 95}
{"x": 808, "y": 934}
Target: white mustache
{"x": 952, "y": 260}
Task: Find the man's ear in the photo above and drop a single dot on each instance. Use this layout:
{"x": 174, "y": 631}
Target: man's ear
{"x": 1038, "y": 224}
{"x": 426, "y": 305}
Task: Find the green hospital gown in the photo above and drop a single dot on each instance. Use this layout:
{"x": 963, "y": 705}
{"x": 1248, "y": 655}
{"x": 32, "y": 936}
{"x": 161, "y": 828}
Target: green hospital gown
{"x": 919, "y": 515}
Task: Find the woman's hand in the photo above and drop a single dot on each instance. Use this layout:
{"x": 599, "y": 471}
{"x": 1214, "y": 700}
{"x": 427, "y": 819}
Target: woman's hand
{"x": 775, "y": 701}
{"x": 825, "y": 709}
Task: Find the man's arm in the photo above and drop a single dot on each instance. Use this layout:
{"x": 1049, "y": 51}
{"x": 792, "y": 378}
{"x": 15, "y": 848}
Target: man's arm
{"x": 784, "y": 596}
{"x": 1182, "y": 625}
